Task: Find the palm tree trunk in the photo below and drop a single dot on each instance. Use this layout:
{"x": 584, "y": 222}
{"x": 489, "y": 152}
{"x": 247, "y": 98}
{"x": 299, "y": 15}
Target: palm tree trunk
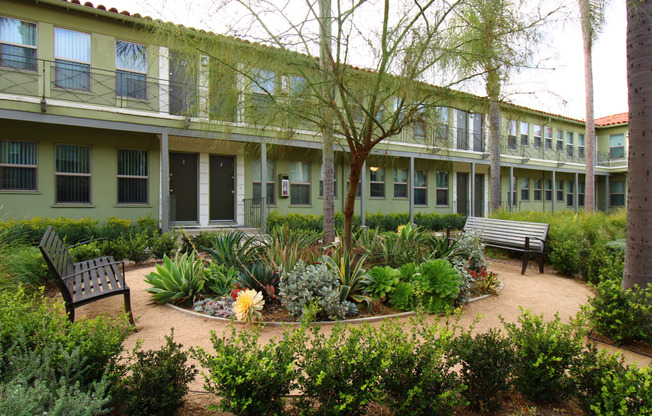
{"x": 638, "y": 255}
{"x": 587, "y": 37}
{"x": 493, "y": 91}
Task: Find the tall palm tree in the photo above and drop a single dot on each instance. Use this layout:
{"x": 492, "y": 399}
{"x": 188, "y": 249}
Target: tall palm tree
{"x": 592, "y": 18}
{"x": 638, "y": 256}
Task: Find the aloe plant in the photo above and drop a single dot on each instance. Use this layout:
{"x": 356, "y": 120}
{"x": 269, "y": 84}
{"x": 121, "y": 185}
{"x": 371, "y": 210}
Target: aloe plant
{"x": 179, "y": 281}
{"x": 234, "y": 249}
{"x": 351, "y": 277}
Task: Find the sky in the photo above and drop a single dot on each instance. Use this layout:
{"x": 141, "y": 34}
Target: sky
{"x": 558, "y": 89}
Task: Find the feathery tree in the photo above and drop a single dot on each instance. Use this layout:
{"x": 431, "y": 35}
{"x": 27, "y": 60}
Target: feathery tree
{"x": 638, "y": 256}
{"x": 398, "y": 43}
{"x": 592, "y": 13}
{"x": 495, "y": 38}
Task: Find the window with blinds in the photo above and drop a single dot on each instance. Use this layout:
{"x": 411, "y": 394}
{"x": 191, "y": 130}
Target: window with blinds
{"x": 72, "y": 173}
{"x": 72, "y": 57}
{"x": 17, "y": 166}
{"x": 17, "y": 44}
{"x": 300, "y": 183}
{"x": 133, "y": 176}
{"x": 131, "y": 70}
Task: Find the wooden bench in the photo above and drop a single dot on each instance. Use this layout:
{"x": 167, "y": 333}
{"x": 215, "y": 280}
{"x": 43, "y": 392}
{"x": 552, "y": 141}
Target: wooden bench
{"x": 526, "y": 237}
{"x": 86, "y": 281}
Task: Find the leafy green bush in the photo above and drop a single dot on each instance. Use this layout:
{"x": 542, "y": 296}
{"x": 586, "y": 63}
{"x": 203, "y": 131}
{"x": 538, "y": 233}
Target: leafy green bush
{"x": 628, "y": 393}
{"x": 622, "y": 315}
{"x": 402, "y": 297}
{"x": 219, "y": 279}
{"x": 437, "y": 285}
{"x": 603, "y": 263}
{"x": 566, "y": 256}
{"x": 545, "y": 352}
{"x": 117, "y": 248}
{"x": 87, "y": 251}
{"x": 251, "y": 378}
{"x": 469, "y": 250}
{"x": 417, "y": 379}
{"x": 380, "y": 281}
{"x": 139, "y": 250}
{"x": 316, "y": 284}
{"x": 487, "y": 361}
{"x": 339, "y": 373}
{"x": 179, "y": 281}
{"x": 164, "y": 244}
{"x": 154, "y": 383}
{"x": 21, "y": 265}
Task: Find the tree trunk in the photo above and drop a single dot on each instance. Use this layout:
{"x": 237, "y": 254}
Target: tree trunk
{"x": 349, "y": 203}
{"x": 587, "y": 37}
{"x": 493, "y": 91}
{"x": 327, "y": 135}
{"x": 638, "y": 256}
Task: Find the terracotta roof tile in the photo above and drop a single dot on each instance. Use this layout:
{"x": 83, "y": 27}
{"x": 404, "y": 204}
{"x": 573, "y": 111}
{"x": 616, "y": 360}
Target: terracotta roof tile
{"x": 621, "y": 118}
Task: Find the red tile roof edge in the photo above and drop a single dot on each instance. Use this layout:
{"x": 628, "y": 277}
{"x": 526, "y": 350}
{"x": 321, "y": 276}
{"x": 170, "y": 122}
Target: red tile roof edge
{"x": 613, "y": 119}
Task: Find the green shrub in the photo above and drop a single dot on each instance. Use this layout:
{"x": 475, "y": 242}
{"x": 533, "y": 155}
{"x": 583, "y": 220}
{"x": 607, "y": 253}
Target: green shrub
{"x": 22, "y": 265}
{"x": 219, "y": 280}
{"x": 622, "y": 315}
{"x": 486, "y": 365}
{"x": 251, "y": 378}
{"x": 164, "y": 244}
{"x": 469, "y": 250}
{"x": 317, "y": 284}
{"x": 604, "y": 263}
{"x": 417, "y": 378}
{"x": 628, "y": 393}
{"x": 118, "y": 248}
{"x": 154, "y": 383}
{"x": 545, "y": 352}
{"x": 198, "y": 242}
{"x": 139, "y": 250}
{"x": 339, "y": 373}
{"x": 402, "y": 297}
{"x": 87, "y": 251}
{"x": 437, "y": 286}
{"x": 380, "y": 281}
{"x": 179, "y": 281}
{"x": 566, "y": 256}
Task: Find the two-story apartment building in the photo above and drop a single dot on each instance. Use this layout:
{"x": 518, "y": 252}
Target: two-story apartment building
{"x": 98, "y": 118}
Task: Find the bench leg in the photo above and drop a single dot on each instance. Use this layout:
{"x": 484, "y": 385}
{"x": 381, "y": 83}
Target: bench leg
{"x": 128, "y": 307}
{"x": 541, "y": 263}
{"x": 70, "y": 310}
{"x": 526, "y": 254}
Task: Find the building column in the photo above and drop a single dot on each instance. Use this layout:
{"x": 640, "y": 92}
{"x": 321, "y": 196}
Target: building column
{"x": 164, "y": 198}
{"x": 411, "y": 189}
{"x": 263, "y": 187}
{"x": 472, "y": 188}
{"x": 363, "y": 195}
{"x": 577, "y": 183}
{"x": 510, "y": 197}
{"x": 607, "y": 196}
{"x": 554, "y": 191}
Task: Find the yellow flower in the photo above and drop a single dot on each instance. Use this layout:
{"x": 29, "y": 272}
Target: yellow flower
{"x": 247, "y": 305}
{"x": 400, "y": 228}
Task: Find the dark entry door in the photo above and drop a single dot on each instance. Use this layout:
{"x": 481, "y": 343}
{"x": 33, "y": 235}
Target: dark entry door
{"x": 183, "y": 185}
{"x": 222, "y": 188}
{"x": 463, "y": 193}
{"x": 479, "y": 196}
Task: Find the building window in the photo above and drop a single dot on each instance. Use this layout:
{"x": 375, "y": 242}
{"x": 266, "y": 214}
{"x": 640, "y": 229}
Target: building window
{"x": 511, "y": 134}
{"x": 580, "y": 146}
{"x": 617, "y": 194}
{"x": 511, "y": 199}
{"x": 348, "y": 182}
{"x": 548, "y": 137}
{"x": 525, "y": 189}
{"x": 270, "y": 181}
{"x": 420, "y": 187}
{"x": 442, "y": 188}
{"x": 580, "y": 194}
{"x": 571, "y": 194}
{"x": 131, "y": 66}
{"x": 538, "y": 189}
{"x": 300, "y": 183}
{"x": 264, "y": 86}
{"x": 400, "y": 183}
{"x": 537, "y": 136}
{"x": 569, "y": 144}
{"x": 376, "y": 182}
{"x": 17, "y": 44}
{"x": 321, "y": 180}
{"x": 617, "y": 146}
{"x": 72, "y": 173}
{"x": 560, "y": 140}
{"x": 133, "y": 176}
{"x": 560, "y": 191}
{"x": 442, "y": 124}
{"x": 525, "y": 133}
{"x": 72, "y": 57}
{"x": 548, "y": 189}
{"x": 420, "y": 128}
{"x": 462, "y": 130}
{"x": 17, "y": 166}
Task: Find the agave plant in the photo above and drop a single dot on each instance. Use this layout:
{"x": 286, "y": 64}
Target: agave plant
{"x": 234, "y": 249}
{"x": 351, "y": 277}
{"x": 440, "y": 247}
{"x": 283, "y": 247}
{"x": 260, "y": 277}
{"x": 178, "y": 281}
